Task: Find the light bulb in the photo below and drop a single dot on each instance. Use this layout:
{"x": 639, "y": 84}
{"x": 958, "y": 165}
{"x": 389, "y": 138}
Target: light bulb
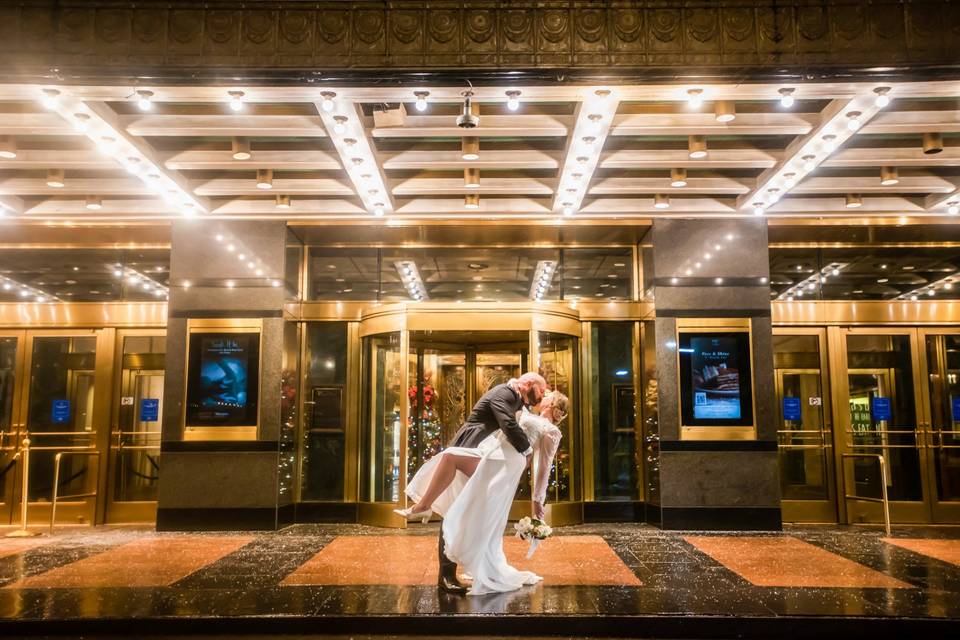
{"x": 786, "y": 98}
{"x": 695, "y": 98}
{"x": 340, "y": 125}
{"x": 236, "y": 100}
{"x": 513, "y": 100}
{"x": 378, "y": 210}
{"x": 49, "y": 98}
{"x": 143, "y": 100}
{"x": 81, "y": 122}
{"x": 953, "y": 209}
{"x": 882, "y": 98}
{"x": 853, "y": 120}
{"x": 421, "y": 104}
{"x": 789, "y": 180}
{"x": 326, "y": 102}
{"x": 809, "y": 163}
{"x": 758, "y": 209}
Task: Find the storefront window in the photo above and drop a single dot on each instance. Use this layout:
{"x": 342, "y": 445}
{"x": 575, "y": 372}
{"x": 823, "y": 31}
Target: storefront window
{"x": 613, "y": 411}
{"x": 324, "y": 412}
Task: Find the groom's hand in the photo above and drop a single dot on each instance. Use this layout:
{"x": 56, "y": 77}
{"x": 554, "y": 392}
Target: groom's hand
{"x": 538, "y": 510}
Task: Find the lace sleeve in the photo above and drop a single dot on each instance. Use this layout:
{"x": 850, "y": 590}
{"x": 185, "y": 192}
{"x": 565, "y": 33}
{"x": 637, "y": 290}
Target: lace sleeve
{"x": 546, "y": 449}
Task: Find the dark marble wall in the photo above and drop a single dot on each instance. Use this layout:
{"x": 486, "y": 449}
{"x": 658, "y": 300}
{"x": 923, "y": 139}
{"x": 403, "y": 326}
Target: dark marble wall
{"x": 714, "y": 484}
{"x": 224, "y": 484}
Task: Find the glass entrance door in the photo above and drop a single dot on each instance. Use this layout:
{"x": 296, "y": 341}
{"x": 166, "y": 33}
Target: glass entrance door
{"x": 11, "y": 382}
{"x": 879, "y": 410}
{"x": 804, "y": 433}
{"x": 134, "y": 464}
{"x": 66, "y": 411}
{"x": 942, "y": 403}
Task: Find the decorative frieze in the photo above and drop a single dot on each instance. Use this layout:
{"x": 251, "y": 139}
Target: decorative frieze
{"x": 36, "y": 35}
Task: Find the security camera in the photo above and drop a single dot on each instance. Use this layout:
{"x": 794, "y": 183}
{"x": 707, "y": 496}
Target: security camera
{"x": 467, "y": 120}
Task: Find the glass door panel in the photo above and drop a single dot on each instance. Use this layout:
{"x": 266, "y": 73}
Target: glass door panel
{"x": 804, "y": 432}
{"x": 382, "y": 427}
{"x": 11, "y": 356}
{"x": 558, "y": 362}
{"x": 61, "y": 419}
{"x": 943, "y": 390}
{"x": 882, "y": 419}
{"x": 135, "y": 439}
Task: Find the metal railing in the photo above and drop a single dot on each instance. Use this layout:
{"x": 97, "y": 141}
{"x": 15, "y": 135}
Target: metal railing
{"x": 56, "y": 482}
{"x": 883, "y": 485}
{"x": 23, "y": 454}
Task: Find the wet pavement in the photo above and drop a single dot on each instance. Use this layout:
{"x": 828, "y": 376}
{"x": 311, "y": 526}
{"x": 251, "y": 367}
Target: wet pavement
{"x": 602, "y": 579}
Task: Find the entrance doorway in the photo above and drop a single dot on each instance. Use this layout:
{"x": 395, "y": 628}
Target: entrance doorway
{"x": 894, "y": 395}
{"x": 421, "y": 381}
{"x": 57, "y": 390}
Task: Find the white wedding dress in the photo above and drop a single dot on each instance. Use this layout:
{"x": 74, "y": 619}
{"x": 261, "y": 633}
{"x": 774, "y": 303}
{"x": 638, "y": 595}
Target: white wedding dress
{"x": 475, "y": 509}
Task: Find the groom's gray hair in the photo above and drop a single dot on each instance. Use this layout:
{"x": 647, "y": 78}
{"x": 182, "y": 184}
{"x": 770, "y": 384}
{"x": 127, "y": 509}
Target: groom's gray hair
{"x": 530, "y": 378}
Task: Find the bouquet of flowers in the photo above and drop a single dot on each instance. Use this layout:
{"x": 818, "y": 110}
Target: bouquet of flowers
{"x": 533, "y": 531}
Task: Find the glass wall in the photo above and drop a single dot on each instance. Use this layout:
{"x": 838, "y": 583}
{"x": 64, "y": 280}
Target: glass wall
{"x": 84, "y": 275}
{"x": 470, "y": 274}
{"x": 324, "y": 412}
{"x": 864, "y": 273}
{"x": 614, "y": 413}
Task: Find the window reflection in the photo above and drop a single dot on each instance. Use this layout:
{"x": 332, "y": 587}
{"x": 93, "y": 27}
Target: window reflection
{"x": 324, "y": 412}
{"x": 471, "y": 274}
{"x": 613, "y": 411}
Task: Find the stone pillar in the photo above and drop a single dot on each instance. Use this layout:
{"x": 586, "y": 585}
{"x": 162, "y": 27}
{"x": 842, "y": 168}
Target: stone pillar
{"x": 715, "y": 484}
{"x": 224, "y": 484}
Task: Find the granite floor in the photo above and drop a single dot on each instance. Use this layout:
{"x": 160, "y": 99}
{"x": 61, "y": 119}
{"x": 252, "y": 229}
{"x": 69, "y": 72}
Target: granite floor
{"x": 602, "y": 579}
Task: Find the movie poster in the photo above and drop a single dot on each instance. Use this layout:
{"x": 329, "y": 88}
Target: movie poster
{"x": 715, "y": 379}
{"x": 222, "y": 387}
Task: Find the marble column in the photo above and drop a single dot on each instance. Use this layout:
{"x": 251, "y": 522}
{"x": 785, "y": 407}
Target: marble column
{"x": 715, "y": 268}
{"x": 225, "y": 484}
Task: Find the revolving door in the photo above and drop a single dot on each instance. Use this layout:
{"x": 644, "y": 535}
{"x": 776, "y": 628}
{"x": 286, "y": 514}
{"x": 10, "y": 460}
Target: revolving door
{"x": 423, "y": 370}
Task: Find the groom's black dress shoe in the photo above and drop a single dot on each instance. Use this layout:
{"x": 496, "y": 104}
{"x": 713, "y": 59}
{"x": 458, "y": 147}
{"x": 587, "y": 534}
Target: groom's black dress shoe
{"x": 450, "y": 584}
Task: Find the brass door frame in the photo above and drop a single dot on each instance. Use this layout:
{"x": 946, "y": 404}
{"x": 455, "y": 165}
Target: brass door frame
{"x": 940, "y": 512}
{"x": 900, "y": 511}
{"x": 10, "y": 440}
{"x": 125, "y": 511}
{"x": 814, "y": 510}
{"x": 90, "y": 510}
{"x": 406, "y": 317}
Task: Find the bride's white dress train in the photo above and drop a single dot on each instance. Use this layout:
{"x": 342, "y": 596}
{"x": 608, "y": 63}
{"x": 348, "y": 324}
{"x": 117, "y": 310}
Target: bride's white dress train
{"x": 475, "y": 510}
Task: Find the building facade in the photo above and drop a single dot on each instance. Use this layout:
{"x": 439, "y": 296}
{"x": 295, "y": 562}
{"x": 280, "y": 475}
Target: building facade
{"x": 258, "y": 262}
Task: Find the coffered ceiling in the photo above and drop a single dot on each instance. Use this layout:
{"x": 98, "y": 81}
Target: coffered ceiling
{"x": 869, "y": 151}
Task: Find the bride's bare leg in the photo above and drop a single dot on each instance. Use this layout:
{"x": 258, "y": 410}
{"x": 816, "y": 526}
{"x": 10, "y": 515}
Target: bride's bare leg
{"x": 444, "y": 474}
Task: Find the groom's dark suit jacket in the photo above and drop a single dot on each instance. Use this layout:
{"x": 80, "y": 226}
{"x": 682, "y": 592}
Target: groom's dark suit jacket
{"x": 497, "y": 409}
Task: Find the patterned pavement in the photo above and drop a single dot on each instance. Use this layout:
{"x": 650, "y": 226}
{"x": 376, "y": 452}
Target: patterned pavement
{"x": 596, "y": 577}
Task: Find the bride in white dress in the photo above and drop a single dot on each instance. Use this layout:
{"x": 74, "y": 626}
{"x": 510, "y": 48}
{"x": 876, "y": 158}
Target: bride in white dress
{"x": 475, "y": 506}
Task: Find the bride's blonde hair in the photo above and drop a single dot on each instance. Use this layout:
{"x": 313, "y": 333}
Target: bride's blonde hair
{"x": 560, "y": 404}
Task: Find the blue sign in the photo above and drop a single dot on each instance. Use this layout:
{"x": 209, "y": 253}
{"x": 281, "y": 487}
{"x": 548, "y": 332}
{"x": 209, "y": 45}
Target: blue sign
{"x": 791, "y": 409}
{"x": 880, "y": 409}
{"x": 149, "y": 410}
{"x": 956, "y": 408}
{"x": 61, "y": 411}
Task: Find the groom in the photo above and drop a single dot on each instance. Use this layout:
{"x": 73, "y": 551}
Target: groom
{"x": 497, "y": 409}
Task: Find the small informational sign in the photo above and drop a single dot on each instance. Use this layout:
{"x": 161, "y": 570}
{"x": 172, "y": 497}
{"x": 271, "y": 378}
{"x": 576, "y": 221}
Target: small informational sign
{"x": 126, "y": 401}
{"x": 816, "y": 401}
{"x": 791, "y": 409}
{"x": 880, "y": 409}
{"x": 149, "y": 409}
{"x": 955, "y": 403}
{"x": 60, "y": 412}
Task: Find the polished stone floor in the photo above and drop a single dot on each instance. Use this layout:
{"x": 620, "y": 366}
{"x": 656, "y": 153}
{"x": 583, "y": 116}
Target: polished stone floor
{"x": 600, "y": 579}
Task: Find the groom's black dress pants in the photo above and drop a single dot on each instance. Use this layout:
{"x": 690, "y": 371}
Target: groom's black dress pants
{"x": 447, "y": 567}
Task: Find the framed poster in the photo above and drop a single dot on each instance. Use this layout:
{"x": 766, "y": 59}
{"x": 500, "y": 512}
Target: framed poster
{"x": 223, "y": 375}
{"x": 716, "y": 382}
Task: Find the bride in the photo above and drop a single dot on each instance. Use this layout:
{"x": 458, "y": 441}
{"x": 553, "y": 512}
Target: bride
{"x": 473, "y": 488}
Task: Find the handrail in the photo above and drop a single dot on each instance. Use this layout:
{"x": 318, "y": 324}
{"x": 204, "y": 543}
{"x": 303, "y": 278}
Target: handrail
{"x": 56, "y": 482}
{"x": 23, "y": 453}
{"x": 883, "y": 485}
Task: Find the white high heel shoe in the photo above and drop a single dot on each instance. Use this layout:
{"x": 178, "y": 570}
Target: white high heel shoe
{"x": 408, "y": 513}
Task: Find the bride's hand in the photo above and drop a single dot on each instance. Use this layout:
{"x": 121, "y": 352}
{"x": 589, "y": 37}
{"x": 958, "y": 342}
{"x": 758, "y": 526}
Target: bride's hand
{"x": 538, "y": 510}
